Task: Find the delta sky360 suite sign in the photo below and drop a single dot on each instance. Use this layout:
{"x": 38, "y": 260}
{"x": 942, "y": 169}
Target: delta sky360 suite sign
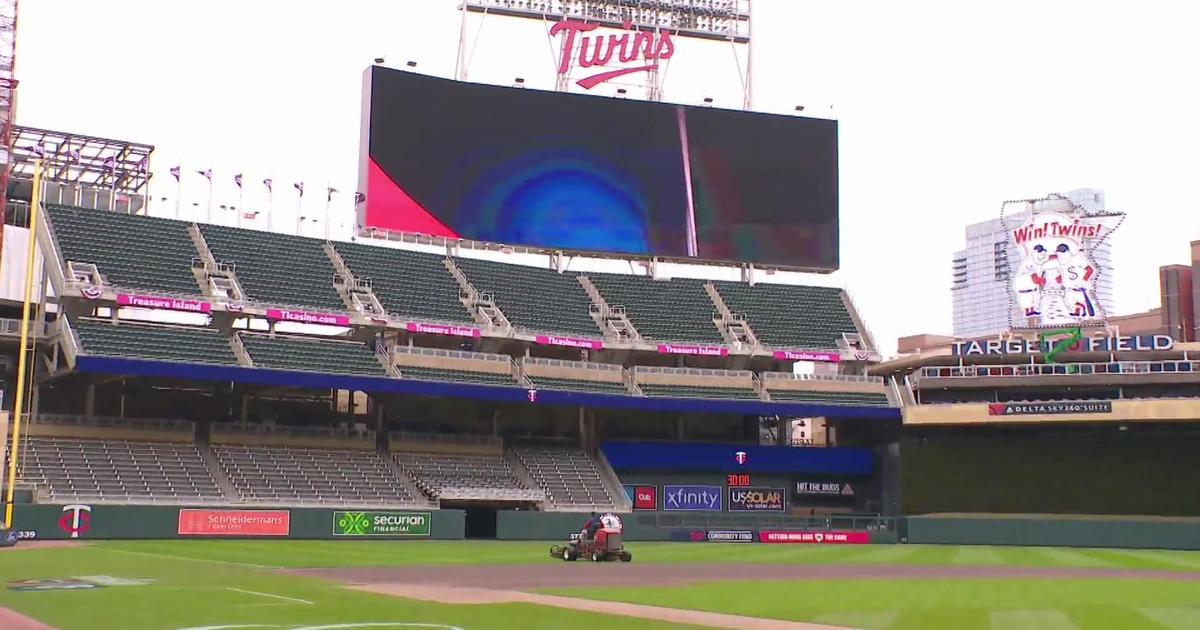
{"x": 592, "y": 173}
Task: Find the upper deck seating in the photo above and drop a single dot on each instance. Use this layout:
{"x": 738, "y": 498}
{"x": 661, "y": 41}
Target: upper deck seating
{"x": 130, "y": 251}
{"x": 662, "y": 310}
{"x": 790, "y": 316}
{"x": 410, "y": 284}
{"x": 537, "y": 300}
{"x": 280, "y": 269}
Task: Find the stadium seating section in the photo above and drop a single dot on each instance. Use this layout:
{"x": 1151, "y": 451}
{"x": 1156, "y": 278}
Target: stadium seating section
{"x": 441, "y": 475}
{"x": 410, "y": 284}
{"x": 118, "y": 471}
{"x": 277, "y": 269}
{"x": 538, "y": 300}
{"x": 458, "y": 376}
{"x": 164, "y": 343}
{"x": 306, "y": 354}
{"x": 663, "y": 310}
{"x": 131, "y": 252}
{"x": 829, "y": 398}
{"x": 579, "y": 385}
{"x": 698, "y": 391}
{"x": 569, "y": 476}
{"x": 304, "y": 475}
{"x": 790, "y": 316}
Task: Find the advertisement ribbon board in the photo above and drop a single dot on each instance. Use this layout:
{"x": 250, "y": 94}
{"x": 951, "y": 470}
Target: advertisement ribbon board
{"x": 756, "y": 499}
{"x": 249, "y": 523}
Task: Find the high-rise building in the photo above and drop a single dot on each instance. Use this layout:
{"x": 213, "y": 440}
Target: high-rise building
{"x": 981, "y": 289}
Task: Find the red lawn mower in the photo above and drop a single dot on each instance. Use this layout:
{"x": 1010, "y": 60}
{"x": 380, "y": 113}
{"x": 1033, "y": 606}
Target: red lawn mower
{"x": 605, "y": 547}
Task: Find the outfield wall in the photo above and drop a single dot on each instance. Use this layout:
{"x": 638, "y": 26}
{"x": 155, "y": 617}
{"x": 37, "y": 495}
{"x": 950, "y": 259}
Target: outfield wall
{"x": 83, "y": 521}
{"x": 994, "y": 529}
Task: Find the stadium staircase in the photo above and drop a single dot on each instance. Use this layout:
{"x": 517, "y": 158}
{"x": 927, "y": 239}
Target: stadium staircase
{"x": 409, "y": 285}
{"x": 534, "y": 300}
{"x": 103, "y": 248}
{"x": 676, "y": 310}
{"x": 613, "y": 322}
{"x": 216, "y": 280}
{"x": 788, "y": 316}
{"x": 276, "y": 269}
{"x": 481, "y": 304}
{"x": 357, "y": 295}
{"x": 734, "y": 327}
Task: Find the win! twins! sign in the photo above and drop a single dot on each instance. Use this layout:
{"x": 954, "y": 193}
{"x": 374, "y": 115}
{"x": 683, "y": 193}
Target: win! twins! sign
{"x": 692, "y": 498}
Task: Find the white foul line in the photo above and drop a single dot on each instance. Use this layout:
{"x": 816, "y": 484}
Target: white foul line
{"x": 290, "y": 599}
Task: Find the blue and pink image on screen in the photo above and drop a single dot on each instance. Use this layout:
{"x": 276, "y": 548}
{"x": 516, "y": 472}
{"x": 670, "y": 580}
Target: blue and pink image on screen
{"x": 583, "y": 173}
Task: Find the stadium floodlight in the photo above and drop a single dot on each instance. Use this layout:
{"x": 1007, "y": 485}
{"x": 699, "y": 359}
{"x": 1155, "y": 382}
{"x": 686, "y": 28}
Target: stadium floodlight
{"x": 726, "y": 20}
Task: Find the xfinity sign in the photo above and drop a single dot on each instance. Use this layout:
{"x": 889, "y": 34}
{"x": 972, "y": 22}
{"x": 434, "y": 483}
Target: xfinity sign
{"x": 692, "y": 498}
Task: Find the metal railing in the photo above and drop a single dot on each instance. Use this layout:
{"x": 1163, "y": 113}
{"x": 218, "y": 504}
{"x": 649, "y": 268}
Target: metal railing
{"x": 236, "y": 428}
{"x": 1061, "y": 369}
{"x": 574, "y": 365}
{"x": 702, "y": 372}
{"x": 451, "y": 354}
{"x": 446, "y": 438}
{"x": 830, "y": 378}
{"x": 184, "y": 426}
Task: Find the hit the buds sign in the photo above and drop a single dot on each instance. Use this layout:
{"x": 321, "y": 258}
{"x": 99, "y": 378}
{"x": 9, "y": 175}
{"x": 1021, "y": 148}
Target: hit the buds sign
{"x": 643, "y": 49}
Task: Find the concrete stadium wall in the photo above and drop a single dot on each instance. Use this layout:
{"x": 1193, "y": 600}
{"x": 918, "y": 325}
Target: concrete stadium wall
{"x": 1055, "y": 531}
{"x": 59, "y": 522}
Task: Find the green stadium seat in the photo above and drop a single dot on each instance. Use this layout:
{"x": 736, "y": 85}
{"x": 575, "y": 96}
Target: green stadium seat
{"x": 409, "y": 284}
{"x": 131, "y": 252}
{"x": 829, "y": 398}
{"x": 279, "y": 269}
{"x": 662, "y": 310}
{"x": 537, "y": 300}
{"x": 578, "y": 385}
{"x": 180, "y": 344}
{"x": 312, "y": 355}
{"x": 697, "y": 391}
{"x": 458, "y": 376}
{"x": 790, "y": 316}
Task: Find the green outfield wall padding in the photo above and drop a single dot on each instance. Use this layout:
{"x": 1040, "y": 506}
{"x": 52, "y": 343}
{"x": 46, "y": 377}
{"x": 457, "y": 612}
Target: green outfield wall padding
{"x": 1055, "y": 532}
{"x": 1067, "y": 473}
{"x": 85, "y": 521}
{"x": 559, "y": 525}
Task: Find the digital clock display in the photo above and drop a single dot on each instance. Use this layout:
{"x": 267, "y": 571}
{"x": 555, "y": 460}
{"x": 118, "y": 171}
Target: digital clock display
{"x": 737, "y": 481}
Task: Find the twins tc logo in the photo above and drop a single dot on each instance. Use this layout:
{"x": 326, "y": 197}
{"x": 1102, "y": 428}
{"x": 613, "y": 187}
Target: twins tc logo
{"x": 354, "y": 523}
{"x": 76, "y": 520}
{"x": 740, "y": 457}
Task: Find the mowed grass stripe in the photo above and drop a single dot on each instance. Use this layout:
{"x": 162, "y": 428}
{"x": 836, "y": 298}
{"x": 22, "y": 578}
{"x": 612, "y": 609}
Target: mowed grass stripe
{"x": 1077, "y": 558}
{"x": 1173, "y": 618}
{"x": 859, "y": 620}
{"x": 977, "y": 556}
{"x": 1029, "y": 619}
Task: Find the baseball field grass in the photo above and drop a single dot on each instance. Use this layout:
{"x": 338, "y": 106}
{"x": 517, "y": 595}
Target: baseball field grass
{"x": 172, "y": 585}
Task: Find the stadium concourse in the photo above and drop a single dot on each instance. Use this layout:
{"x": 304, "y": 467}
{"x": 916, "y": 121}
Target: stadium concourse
{"x": 194, "y": 364}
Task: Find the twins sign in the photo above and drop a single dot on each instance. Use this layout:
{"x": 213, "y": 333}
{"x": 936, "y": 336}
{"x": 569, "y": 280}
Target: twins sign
{"x": 692, "y": 498}
{"x": 1054, "y": 282}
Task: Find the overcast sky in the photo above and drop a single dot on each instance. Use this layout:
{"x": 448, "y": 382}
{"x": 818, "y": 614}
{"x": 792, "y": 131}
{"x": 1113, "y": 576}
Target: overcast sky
{"x": 946, "y": 109}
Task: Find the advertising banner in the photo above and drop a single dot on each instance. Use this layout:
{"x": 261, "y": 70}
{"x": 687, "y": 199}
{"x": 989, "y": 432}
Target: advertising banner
{"x": 698, "y": 351}
{"x": 823, "y": 489}
{"x": 163, "y": 303}
{"x": 756, "y": 499}
{"x": 569, "y": 342}
{"x": 361, "y": 524}
{"x": 197, "y": 522}
{"x": 1048, "y": 408}
{"x": 442, "y": 329}
{"x": 739, "y": 536}
{"x": 304, "y": 317}
{"x": 804, "y": 355}
{"x": 692, "y": 498}
{"x": 815, "y": 538}
{"x": 642, "y": 497}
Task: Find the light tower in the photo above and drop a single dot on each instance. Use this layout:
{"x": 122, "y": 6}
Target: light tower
{"x": 8, "y": 97}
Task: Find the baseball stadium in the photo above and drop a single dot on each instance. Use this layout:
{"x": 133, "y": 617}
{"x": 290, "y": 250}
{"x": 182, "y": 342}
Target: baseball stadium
{"x": 590, "y": 368}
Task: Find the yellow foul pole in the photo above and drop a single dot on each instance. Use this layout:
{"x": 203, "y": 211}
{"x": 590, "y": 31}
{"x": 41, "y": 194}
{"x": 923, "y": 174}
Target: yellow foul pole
{"x": 19, "y": 401}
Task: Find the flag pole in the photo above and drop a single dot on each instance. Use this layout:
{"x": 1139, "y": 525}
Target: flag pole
{"x": 35, "y": 201}
{"x": 209, "y": 211}
{"x": 240, "y": 209}
{"x": 178, "y": 192}
{"x": 270, "y": 209}
{"x": 328, "y": 201}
